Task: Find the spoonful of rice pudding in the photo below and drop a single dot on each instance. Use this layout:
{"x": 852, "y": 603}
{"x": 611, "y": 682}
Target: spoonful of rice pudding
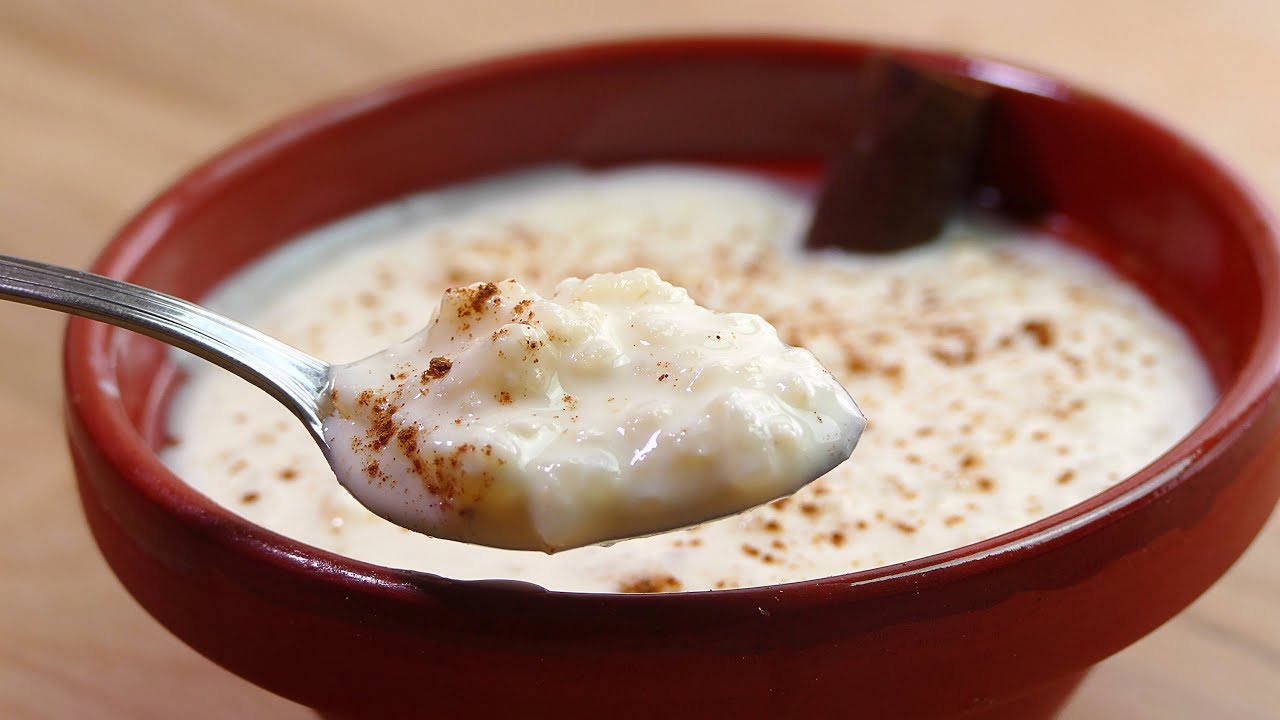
{"x": 616, "y": 407}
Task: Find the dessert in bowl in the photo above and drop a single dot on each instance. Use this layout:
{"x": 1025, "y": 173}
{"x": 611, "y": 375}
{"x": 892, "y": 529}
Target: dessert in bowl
{"x": 1008, "y": 374}
{"x": 1004, "y": 627}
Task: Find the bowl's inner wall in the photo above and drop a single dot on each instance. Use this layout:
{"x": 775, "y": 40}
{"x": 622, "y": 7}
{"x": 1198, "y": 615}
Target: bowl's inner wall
{"x": 1115, "y": 182}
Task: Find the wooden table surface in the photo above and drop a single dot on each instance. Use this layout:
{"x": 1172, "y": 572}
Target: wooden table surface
{"x": 101, "y": 103}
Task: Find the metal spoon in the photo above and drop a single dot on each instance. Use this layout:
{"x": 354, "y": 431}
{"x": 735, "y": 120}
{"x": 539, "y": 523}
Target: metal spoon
{"x": 300, "y": 382}
{"x": 303, "y": 383}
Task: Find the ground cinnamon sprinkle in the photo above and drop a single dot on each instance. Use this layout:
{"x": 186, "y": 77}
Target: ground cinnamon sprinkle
{"x": 949, "y": 357}
{"x": 857, "y": 363}
{"x": 901, "y": 489}
{"x": 650, "y": 584}
{"x": 444, "y": 476}
{"x": 893, "y": 373}
{"x": 407, "y": 439}
{"x": 382, "y": 426}
{"x": 1075, "y": 362}
{"x": 1041, "y": 331}
{"x": 437, "y": 368}
{"x": 482, "y": 295}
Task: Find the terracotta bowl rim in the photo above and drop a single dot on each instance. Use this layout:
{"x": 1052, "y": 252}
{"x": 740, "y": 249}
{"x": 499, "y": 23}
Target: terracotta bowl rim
{"x": 94, "y": 400}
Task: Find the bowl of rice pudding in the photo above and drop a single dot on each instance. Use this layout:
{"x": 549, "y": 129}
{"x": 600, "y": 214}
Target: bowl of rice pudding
{"x": 1071, "y": 394}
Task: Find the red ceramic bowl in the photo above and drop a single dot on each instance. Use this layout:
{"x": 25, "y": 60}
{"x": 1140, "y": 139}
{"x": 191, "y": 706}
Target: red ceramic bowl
{"x": 1002, "y": 629}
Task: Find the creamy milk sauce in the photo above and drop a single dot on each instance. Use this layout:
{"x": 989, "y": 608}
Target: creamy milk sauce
{"x": 1005, "y": 376}
{"x": 615, "y": 408}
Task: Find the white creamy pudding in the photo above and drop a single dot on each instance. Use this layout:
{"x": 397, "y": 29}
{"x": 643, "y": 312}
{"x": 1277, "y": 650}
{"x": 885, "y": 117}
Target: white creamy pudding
{"x": 616, "y": 407}
{"x": 1005, "y": 376}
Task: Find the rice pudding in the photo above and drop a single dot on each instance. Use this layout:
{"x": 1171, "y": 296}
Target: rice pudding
{"x": 1005, "y": 376}
{"x": 616, "y": 407}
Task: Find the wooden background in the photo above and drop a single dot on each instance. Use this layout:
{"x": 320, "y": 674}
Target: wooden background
{"x": 101, "y": 103}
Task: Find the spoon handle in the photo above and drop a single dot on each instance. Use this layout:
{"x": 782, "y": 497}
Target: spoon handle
{"x": 296, "y": 379}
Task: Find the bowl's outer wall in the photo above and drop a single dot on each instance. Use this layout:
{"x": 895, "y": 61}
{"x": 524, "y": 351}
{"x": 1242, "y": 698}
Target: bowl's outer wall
{"x": 960, "y": 639}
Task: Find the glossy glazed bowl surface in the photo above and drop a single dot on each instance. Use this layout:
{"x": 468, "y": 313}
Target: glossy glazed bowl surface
{"x": 1004, "y": 628}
